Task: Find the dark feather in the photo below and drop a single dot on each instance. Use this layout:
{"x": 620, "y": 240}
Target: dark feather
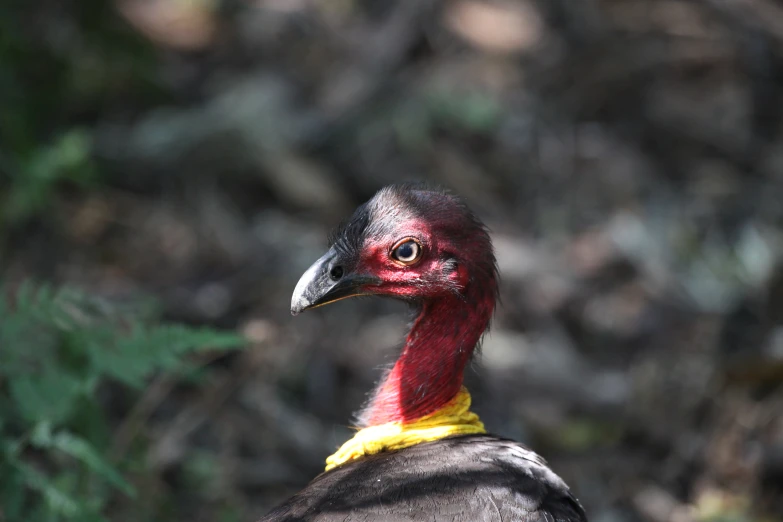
{"x": 469, "y": 478}
{"x": 347, "y": 238}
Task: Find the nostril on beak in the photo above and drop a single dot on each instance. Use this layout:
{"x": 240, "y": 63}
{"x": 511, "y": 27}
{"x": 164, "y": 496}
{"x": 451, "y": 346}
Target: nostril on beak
{"x": 336, "y": 272}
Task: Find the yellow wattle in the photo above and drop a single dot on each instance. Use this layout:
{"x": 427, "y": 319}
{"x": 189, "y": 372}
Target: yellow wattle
{"x": 455, "y": 418}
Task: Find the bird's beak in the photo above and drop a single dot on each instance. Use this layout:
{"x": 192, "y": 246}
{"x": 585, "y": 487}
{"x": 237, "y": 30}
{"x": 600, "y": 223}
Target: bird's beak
{"x": 322, "y": 284}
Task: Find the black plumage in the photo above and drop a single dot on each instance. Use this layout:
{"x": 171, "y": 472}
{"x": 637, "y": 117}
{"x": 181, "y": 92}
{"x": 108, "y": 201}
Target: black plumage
{"x": 469, "y": 478}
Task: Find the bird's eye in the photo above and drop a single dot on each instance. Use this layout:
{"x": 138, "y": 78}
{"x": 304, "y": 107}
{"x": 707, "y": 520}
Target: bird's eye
{"x": 407, "y": 251}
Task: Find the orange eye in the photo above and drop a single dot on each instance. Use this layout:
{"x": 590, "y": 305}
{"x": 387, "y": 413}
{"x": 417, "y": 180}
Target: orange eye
{"x": 407, "y": 251}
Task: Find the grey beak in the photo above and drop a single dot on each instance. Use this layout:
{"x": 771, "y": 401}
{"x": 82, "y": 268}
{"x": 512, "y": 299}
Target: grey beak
{"x": 329, "y": 279}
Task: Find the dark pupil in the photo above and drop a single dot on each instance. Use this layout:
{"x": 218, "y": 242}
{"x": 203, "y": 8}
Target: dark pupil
{"x": 405, "y": 251}
{"x": 336, "y": 272}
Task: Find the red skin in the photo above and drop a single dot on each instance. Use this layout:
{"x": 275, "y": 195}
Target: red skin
{"x": 455, "y": 311}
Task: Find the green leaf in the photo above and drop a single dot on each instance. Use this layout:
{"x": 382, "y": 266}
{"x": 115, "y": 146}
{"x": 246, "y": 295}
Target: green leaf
{"x": 81, "y": 450}
{"x": 134, "y": 358}
{"x": 34, "y": 185}
{"x": 47, "y": 396}
{"x": 59, "y": 501}
{"x": 56, "y": 346}
{"x": 78, "y": 448}
{"x": 12, "y": 492}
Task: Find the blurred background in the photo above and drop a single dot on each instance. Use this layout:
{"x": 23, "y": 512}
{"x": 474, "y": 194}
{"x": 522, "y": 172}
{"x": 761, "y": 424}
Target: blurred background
{"x": 193, "y": 154}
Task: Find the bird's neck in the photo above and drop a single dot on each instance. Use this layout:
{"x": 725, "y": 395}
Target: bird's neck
{"x": 429, "y": 372}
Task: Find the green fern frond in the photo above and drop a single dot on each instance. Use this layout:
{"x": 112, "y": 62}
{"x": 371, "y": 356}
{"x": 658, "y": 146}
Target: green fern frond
{"x": 58, "y": 501}
{"x": 56, "y": 346}
{"x": 78, "y": 448}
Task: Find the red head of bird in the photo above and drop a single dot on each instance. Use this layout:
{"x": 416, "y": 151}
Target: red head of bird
{"x": 426, "y": 247}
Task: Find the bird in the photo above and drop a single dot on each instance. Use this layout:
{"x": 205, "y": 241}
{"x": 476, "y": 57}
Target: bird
{"x": 419, "y": 452}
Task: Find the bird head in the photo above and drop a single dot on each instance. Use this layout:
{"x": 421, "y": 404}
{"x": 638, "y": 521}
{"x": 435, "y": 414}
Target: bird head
{"x": 408, "y": 242}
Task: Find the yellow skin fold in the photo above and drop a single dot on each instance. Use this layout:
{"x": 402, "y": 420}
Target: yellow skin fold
{"x": 455, "y": 418}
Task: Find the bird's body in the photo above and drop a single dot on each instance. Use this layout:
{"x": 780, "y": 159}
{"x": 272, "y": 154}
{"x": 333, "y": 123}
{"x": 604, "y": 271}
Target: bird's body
{"x": 422, "y": 455}
{"x": 472, "y": 478}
